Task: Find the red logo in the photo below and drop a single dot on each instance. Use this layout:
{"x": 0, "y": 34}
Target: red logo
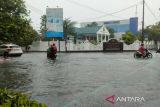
{"x": 111, "y": 99}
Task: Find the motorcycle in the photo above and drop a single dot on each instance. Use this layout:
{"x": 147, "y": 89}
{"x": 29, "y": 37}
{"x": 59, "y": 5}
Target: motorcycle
{"x": 50, "y": 54}
{"x": 138, "y": 54}
{"x": 158, "y": 51}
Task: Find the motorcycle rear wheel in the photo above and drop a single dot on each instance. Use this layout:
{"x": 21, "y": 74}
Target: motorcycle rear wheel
{"x": 149, "y": 55}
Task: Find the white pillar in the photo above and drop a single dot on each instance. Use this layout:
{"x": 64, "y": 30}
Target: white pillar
{"x": 108, "y": 37}
{"x": 97, "y": 38}
{"x": 105, "y": 37}
{"x": 101, "y": 37}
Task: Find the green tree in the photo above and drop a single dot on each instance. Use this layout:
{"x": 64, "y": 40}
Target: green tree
{"x": 92, "y": 24}
{"x": 154, "y": 32}
{"x": 14, "y": 22}
{"x": 128, "y": 38}
{"x": 43, "y": 25}
{"x": 27, "y": 36}
{"x": 69, "y": 27}
{"x": 111, "y": 31}
{"x": 43, "y": 28}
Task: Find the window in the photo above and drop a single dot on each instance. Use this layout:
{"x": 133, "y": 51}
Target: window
{"x": 13, "y": 47}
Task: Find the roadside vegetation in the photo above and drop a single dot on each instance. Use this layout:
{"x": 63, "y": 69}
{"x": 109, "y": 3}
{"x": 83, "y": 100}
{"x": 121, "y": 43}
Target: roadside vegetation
{"x": 151, "y": 33}
{"x": 13, "y": 99}
{"x": 128, "y": 38}
{"x": 15, "y": 24}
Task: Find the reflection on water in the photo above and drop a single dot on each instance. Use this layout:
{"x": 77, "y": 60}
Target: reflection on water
{"x": 72, "y": 76}
{"x": 14, "y": 74}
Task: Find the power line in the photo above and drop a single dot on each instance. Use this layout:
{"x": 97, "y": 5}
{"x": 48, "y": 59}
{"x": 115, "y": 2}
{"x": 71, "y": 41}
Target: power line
{"x": 150, "y": 10}
{"x": 121, "y": 10}
{"x": 38, "y": 11}
{"x": 85, "y": 6}
{"x": 90, "y": 8}
{"x": 126, "y": 8}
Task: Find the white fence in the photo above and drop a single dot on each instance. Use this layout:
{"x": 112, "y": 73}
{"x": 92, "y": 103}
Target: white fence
{"x": 136, "y": 44}
{"x": 86, "y": 46}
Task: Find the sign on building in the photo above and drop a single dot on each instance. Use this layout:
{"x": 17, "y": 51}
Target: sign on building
{"x": 54, "y": 24}
{"x": 112, "y": 46}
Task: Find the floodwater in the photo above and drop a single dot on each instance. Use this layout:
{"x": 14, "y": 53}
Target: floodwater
{"x": 84, "y": 79}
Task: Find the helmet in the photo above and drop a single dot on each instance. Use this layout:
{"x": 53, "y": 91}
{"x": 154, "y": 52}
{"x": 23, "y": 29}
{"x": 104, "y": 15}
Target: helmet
{"x": 53, "y": 44}
{"x": 142, "y": 44}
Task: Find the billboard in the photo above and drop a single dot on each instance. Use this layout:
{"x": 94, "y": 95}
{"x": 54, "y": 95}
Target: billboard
{"x": 54, "y": 23}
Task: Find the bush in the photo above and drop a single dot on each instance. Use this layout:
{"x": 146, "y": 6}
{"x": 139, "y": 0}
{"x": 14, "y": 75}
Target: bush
{"x": 94, "y": 42}
{"x": 128, "y": 38}
{"x": 12, "y": 99}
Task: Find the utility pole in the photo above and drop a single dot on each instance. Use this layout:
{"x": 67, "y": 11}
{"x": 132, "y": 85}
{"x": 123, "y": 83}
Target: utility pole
{"x": 143, "y": 23}
{"x": 65, "y": 38}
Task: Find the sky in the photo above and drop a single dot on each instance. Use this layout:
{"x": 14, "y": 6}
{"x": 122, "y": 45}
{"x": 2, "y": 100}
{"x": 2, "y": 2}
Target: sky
{"x": 96, "y": 10}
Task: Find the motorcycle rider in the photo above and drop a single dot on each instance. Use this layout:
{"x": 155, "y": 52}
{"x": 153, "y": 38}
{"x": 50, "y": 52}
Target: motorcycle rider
{"x": 52, "y": 51}
{"x": 142, "y": 50}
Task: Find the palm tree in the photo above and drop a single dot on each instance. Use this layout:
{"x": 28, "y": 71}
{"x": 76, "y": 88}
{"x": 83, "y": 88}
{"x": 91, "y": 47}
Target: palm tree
{"x": 68, "y": 28}
{"x": 43, "y": 25}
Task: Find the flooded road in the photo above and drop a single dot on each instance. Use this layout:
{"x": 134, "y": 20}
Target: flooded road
{"x": 84, "y": 79}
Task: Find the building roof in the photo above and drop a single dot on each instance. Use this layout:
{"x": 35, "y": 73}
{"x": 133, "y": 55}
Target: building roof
{"x": 103, "y": 30}
{"x": 87, "y": 30}
{"x": 119, "y": 26}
